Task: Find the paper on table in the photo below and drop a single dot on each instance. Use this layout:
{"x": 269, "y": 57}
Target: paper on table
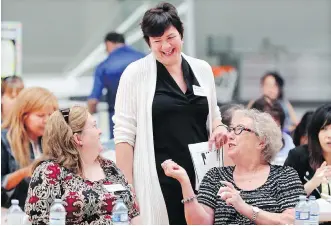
{"x": 203, "y": 160}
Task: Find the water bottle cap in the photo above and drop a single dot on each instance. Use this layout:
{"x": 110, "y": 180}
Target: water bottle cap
{"x": 312, "y": 197}
{"x": 302, "y": 197}
{"x": 58, "y": 200}
{"x": 119, "y": 200}
{"x": 14, "y": 202}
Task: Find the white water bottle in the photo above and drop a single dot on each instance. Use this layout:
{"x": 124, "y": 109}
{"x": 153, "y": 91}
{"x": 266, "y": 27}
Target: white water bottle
{"x": 15, "y": 213}
{"x": 120, "y": 213}
{"x": 57, "y": 213}
{"x": 314, "y": 211}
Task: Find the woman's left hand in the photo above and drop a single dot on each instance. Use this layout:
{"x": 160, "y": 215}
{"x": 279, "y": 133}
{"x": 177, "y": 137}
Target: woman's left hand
{"x": 219, "y": 137}
{"x": 231, "y": 196}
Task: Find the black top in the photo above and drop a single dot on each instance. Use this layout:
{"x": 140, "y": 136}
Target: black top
{"x": 178, "y": 120}
{"x": 298, "y": 158}
{"x": 8, "y": 166}
{"x": 280, "y": 192}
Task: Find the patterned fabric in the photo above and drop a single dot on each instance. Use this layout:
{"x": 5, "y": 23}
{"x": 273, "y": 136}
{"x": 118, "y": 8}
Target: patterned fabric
{"x": 280, "y": 192}
{"x": 86, "y": 202}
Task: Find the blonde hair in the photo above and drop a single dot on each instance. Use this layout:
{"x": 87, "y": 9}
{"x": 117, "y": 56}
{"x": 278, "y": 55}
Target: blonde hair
{"x": 267, "y": 129}
{"x": 58, "y": 141}
{"x": 29, "y": 100}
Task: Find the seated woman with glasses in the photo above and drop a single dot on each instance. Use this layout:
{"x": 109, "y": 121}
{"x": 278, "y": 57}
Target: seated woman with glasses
{"x": 21, "y": 141}
{"x": 251, "y": 192}
{"x": 71, "y": 169}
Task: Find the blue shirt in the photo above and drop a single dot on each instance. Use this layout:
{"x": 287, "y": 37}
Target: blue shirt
{"x": 108, "y": 73}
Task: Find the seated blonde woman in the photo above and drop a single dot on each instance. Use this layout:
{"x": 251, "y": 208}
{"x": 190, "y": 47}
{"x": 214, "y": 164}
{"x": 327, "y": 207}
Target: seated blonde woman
{"x": 72, "y": 169}
{"x": 21, "y": 141}
{"x": 252, "y": 191}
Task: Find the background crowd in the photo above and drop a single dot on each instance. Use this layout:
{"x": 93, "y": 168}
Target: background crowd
{"x": 159, "y": 103}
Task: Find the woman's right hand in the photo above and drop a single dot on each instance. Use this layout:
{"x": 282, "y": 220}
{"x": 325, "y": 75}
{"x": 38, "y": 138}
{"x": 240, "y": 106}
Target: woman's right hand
{"x": 172, "y": 169}
{"x": 322, "y": 174}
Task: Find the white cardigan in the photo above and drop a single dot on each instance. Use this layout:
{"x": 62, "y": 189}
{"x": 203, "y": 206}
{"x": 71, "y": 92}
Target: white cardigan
{"x": 133, "y": 125}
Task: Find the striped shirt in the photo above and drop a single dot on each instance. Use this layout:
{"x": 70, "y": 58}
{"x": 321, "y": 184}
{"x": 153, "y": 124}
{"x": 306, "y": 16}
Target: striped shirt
{"x": 280, "y": 192}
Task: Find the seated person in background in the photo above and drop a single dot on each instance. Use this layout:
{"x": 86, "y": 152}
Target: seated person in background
{"x": 273, "y": 87}
{"x": 227, "y": 111}
{"x": 21, "y": 141}
{"x": 72, "y": 169}
{"x": 252, "y": 191}
{"x": 273, "y": 107}
{"x": 300, "y": 134}
{"x": 10, "y": 87}
{"x": 313, "y": 161}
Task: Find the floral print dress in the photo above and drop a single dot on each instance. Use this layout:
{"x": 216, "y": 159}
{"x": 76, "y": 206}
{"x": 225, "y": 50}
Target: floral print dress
{"x": 86, "y": 202}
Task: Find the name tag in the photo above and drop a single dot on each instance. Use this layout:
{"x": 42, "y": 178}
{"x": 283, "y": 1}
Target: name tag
{"x": 199, "y": 91}
{"x": 114, "y": 187}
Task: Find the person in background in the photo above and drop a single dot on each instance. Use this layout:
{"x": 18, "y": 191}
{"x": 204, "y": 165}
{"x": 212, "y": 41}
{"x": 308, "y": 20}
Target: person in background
{"x": 251, "y": 192}
{"x": 274, "y": 108}
{"x": 165, "y": 102}
{"x": 20, "y": 141}
{"x": 71, "y": 169}
{"x": 10, "y": 87}
{"x": 313, "y": 161}
{"x": 273, "y": 87}
{"x": 227, "y": 112}
{"x": 108, "y": 73}
{"x": 300, "y": 134}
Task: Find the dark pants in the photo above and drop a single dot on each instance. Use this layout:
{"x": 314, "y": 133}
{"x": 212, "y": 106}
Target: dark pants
{"x": 172, "y": 194}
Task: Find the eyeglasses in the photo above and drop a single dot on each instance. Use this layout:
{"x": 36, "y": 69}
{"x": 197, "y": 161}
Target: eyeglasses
{"x": 239, "y": 129}
{"x": 65, "y": 113}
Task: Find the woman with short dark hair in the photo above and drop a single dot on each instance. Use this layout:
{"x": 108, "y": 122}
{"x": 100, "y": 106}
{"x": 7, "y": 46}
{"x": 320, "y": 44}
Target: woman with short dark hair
{"x": 164, "y": 102}
{"x": 272, "y": 84}
{"x": 313, "y": 161}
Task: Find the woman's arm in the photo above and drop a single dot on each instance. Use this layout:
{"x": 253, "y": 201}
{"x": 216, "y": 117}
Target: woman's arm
{"x": 45, "y": 186}
{"x": 13, "y": 179}
{"x": 195, "y": 213}
{"x": 124, "y": 160}
{"x": 125, "y": 122}
{"x": 264, "y": 217}
{"x": 10, "y": 180}
{"x": 250, "y": 104}
{"x": 292, "y": 114}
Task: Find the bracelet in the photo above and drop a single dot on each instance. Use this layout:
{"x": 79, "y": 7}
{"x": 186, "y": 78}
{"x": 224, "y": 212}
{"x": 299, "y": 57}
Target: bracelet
{"x": 221, "y": 125}
{"x": 188, "y": 199}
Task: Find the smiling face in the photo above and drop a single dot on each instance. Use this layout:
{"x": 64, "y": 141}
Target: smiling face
{"x": 168, "y": 47}
{"x": 242, "y": 144}
{"x": 90, "y": 137}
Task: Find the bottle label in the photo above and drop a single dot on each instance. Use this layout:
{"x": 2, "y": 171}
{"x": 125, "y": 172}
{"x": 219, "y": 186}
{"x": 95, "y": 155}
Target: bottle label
{"x": 301, "y": 215}
{"x": 120, "y": 217}
{"x": 57, "y": 219}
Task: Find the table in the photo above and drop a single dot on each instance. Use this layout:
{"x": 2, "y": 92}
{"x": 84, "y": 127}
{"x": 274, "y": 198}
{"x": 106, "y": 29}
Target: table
{"x": 325, "y": 210}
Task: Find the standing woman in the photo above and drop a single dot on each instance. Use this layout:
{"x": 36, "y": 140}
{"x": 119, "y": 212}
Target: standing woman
{"x": 164, "y": 102}
{"x": 21, "y": 141}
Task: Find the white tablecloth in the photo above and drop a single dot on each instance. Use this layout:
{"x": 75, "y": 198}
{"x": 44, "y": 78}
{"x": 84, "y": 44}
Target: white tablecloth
{"x": 325, "y": 210}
